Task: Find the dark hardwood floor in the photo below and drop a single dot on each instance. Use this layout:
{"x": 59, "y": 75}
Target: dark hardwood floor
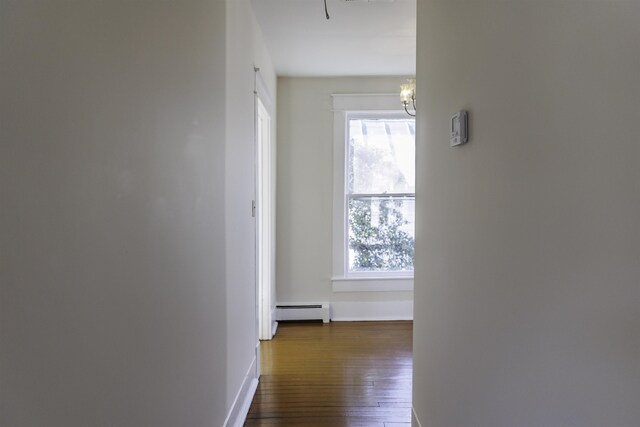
{"x": 337, "y": 374}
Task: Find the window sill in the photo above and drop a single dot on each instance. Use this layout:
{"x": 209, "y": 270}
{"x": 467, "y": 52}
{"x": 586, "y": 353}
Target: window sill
{"x": 372, "y": 284}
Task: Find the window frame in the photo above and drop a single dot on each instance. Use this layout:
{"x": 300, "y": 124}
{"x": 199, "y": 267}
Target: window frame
{"x": 347, "y": 107}
{"x": 372, "y": 115}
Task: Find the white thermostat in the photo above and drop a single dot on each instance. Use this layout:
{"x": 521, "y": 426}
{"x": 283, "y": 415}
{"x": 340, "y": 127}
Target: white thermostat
{"x": 458, "y": 129}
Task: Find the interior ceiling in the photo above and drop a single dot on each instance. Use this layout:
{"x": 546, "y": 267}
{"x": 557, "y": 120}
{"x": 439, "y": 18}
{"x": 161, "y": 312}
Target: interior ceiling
{"x": 362, "y": 38}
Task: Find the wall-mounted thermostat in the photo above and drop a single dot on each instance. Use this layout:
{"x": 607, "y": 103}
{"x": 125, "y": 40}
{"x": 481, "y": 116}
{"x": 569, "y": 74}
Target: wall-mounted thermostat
{"x": 458, "y": 129}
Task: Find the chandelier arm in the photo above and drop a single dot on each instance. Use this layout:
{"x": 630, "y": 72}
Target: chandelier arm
{"x": 405, "y": 109}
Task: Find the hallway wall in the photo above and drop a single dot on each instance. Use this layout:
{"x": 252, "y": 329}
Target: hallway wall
{"x": 126, "y": 132}
{"x": 245, "y": 50}
{"x": 528, "y": 241}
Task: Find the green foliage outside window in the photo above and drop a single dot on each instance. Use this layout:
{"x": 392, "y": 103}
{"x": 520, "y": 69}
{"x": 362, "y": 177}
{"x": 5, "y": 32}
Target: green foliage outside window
{"x": 383, "y": 245}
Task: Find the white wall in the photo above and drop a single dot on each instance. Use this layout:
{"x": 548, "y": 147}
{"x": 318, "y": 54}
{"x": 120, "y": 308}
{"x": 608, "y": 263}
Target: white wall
{"x": 305, "y": 183}
{"x": 528, "y": 240}
{"x": 245, "y": 50}
{"x": 112, "y": 254}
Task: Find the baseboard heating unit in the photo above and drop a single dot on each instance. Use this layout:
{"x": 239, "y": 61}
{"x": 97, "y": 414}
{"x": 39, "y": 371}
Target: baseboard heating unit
{"x": 303, "y": 312}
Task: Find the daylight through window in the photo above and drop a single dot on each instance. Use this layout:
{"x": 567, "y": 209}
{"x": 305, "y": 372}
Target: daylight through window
{"x": 380, "y": 194}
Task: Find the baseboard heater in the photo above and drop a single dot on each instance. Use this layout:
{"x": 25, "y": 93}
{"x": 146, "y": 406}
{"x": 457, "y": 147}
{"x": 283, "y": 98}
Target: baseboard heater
{"x": 303, "y": 312}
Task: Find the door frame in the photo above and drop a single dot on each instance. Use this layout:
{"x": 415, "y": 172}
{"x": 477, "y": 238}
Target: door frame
{"x": 264, "y": 211}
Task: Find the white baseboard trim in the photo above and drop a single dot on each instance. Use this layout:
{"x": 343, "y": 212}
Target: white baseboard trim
{"x": 350, "y": 311}
{"x": 274, "y": 327}
{"x": 378, "y": 284}
{"x": 241, "y": 404}
{"x": 415, "y": 422}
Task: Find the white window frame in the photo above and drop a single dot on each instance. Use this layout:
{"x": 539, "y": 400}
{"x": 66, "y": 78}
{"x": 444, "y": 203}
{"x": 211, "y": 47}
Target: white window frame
{"x": 345, "y": 107}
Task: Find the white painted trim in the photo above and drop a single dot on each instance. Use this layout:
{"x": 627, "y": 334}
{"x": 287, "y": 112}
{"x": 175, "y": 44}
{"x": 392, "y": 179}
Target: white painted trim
{"x": 415, "y": 422}
{"x": 346, "y": 106}
{"x": 274, "y": 322}
{"x": 339, "y": 220}
{"x": 264, "y": 212}
{"x": 240, "y": 408}
{"x": 372, "y": 284}
{"x": 349, "y": 311}
{"x": 258, "y": 363}
{"x": 262, "y": 90}
{"x": 339, "y": 232}
{"x": 370, "y": 278}
{"x": 367, "y": 102}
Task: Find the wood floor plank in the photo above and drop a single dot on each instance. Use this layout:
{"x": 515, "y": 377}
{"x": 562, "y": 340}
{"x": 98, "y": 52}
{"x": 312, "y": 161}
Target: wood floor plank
{"x": 337, "y": 374}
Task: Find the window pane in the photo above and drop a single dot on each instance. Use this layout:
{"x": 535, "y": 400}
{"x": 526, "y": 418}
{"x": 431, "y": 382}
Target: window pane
{"x": 381, "y": 156}
{"x": 381, "y": 234}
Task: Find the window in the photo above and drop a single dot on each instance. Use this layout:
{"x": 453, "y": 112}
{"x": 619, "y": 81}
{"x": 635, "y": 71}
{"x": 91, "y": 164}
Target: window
{"x": 379, "y": 194}
{"x": 373, "y": 194}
